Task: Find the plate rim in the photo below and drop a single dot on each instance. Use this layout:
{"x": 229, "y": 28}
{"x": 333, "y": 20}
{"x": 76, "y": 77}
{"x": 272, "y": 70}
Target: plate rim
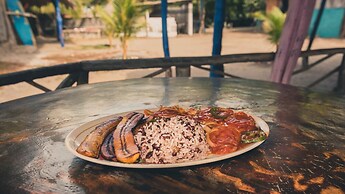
{"x": 70, "y": 139}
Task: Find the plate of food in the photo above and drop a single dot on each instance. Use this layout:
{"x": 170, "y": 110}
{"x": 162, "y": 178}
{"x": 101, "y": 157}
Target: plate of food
{"x": 167, "y": 137}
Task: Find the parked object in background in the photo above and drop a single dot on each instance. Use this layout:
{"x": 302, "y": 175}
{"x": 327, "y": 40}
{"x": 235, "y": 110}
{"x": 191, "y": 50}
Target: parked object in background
{"x": 331, "y": 24}
{"x": 20, "y": 22}
{"x": 76, "y": 33}
{"x": 154, "y": 27}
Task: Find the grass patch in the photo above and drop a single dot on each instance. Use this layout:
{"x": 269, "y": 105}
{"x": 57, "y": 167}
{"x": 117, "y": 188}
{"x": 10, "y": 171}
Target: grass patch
{"x": 98, "y": 46}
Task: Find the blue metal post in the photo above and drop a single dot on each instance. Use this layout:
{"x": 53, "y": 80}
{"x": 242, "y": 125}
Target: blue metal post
{"x": 59, "y": 22}
{"x": 316, "y": 24}
{"x": 164, "y": 10}
{"x": 217, "y": 36}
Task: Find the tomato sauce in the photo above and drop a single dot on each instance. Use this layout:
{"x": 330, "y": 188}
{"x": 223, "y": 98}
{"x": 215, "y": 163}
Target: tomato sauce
{"x": 227, "y": 126}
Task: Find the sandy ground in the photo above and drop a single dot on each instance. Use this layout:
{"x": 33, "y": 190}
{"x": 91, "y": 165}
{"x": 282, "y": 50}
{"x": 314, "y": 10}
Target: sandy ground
{"x": 50, "y": 53}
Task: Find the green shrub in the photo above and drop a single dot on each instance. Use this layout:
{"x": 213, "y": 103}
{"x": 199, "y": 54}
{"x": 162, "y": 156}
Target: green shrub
{"x": 273, "y": 23}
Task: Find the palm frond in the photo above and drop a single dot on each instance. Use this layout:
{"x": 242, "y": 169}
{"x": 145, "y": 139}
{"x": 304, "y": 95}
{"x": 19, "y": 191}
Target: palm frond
{"x": 273, "y": 23}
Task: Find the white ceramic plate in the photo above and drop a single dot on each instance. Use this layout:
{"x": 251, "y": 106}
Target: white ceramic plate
{"x": 76, "y": 136}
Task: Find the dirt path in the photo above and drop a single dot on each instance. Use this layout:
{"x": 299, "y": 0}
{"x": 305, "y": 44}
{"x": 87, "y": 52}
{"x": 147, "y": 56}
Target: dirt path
{"x": 51, "y": 53}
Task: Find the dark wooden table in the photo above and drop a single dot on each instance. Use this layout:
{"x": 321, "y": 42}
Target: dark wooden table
{"x": 305, "y": 151}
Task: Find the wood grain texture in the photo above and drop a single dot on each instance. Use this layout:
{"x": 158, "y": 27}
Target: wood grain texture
{"x": 305, "y": 151}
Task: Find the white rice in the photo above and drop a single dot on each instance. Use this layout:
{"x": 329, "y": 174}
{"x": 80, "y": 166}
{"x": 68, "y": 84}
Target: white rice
{"x": 172, "y": 140}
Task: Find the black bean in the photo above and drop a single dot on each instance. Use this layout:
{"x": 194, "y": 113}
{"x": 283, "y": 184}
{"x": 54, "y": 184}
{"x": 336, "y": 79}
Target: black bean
{"x": 156, "y": 147}
{"x": 149, "y": 155}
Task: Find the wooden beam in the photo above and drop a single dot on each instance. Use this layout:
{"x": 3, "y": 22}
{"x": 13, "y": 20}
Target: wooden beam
{"x": 156, "y": 73}
{"x": 305, "y": 68}
{"x": 341, "y": 80}
{"x": 101, "y": 65}
{"x": 105, "y": 65}
{"x": 39, "y": 86}
{"x": 294, "y": 32}
{"x": 32, "y": 74}
{"x": 217, "y": 72}
{"x": 331, "y": 51}
{"x": 83, "y": 78}
{"x": 68, "y": 81}
{"x": 324, "y": 77}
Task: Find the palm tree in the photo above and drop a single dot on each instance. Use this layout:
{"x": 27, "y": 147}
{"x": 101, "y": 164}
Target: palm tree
{"x": 125, "y": 16}
{"x": 109, "y": 23}
{"x": 273, "y": 23}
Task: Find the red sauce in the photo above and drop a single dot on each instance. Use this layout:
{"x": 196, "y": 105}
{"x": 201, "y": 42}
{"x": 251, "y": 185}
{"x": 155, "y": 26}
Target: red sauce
{"x": 226, "y": 140}
{"x": 227, "y": 128}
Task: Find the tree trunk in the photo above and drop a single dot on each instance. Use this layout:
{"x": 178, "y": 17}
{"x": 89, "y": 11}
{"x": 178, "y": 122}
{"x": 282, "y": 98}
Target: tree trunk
{"x": 292, "y": 38}
{"x": 202, "y": 16}
{"x": 124, "y": 47}
{"x": 110, "y": 40}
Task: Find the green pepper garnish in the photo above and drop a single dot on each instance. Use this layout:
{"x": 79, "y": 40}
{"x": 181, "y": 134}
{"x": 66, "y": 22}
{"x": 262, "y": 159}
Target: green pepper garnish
{"x": 216, "y": 113}
{"x": 153, "y": 120}
{"x": 253, "y": 136}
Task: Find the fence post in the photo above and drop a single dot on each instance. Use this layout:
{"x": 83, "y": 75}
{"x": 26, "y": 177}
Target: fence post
{"x": 305, "y": 60}
{"x": 59, "y": 22}
{"x": 164, "y": 13}
{"x": 341, "y": 81}
{"x": 183, "y": 71}
{"x": 83, "y": 78}
{"x": 217, "y": 36}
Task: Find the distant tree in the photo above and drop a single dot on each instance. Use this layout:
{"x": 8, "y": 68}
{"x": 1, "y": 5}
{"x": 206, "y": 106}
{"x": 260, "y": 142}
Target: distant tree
{"x": 273, "y": 23}
{"x": 108, "y": 21}
{"x": 126, "y": 15}
{"x": 122, "y": 22}
{"x": 237, "y": 12}
{"x": 202, "y": 10}
{"x": 76, "y": 11}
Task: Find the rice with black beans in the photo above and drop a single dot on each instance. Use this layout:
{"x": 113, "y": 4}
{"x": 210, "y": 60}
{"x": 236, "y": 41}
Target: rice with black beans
{"x": 172, "y": 140}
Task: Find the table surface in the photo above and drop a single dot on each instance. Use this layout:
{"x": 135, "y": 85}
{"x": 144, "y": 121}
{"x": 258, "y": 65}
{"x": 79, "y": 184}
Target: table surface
{"x": 305, "y": 151}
